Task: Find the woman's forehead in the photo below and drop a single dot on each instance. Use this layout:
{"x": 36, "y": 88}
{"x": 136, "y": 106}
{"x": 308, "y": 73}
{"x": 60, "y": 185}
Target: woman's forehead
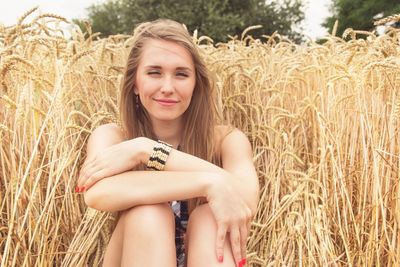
{"x": 162, "y": 52}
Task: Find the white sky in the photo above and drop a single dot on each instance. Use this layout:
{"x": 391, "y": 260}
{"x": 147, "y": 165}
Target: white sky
{"x": 315, "y": 13}
{"x": 10, "y": 11}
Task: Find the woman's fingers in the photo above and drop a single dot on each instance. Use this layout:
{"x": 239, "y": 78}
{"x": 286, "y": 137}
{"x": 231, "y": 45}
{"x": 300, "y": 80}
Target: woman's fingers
{"x": 220, "y": 241}
{"x": 235, "y": 244}
{"x": 94, "y": 178}
{"x": 243, "y": 239}
{"x": 84, "y": 168}
{"x": 87, "y": 172}
{"x": 86, "y": 163}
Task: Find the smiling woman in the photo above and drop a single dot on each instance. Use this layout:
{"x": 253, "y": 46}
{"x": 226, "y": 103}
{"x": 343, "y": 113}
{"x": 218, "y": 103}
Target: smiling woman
{"x": 165, "y": 80}
{"x": 185, "y": 188}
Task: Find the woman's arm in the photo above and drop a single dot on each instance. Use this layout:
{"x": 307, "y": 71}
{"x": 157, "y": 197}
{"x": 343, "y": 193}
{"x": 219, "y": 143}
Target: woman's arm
{"x": 132, "y": 188}
{"x": 140, "y": 149}
{"x": 108, "y": 152}
{"x": 232, "y": 192}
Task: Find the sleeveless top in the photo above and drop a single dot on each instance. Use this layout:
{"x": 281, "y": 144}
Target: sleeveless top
{"x": 181, "y": 214}
{"x": 180, "y": 209}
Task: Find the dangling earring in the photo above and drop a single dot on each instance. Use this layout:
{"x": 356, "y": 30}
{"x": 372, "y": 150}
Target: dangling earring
{"x": 137, "y": 101}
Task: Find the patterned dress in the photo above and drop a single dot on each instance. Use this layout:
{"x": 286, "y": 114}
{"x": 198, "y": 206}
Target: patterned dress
{"x": 181, "y": 214}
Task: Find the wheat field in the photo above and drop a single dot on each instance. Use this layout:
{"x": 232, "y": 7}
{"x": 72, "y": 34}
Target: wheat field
{"x": 323, "y": 119}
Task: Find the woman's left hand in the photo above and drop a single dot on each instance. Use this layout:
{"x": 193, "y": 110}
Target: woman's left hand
{"x": 113, "y": 160}
{"x": 233, "y": 216}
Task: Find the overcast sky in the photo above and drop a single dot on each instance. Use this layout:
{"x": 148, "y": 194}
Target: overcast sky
{"x": 10, "y": 11}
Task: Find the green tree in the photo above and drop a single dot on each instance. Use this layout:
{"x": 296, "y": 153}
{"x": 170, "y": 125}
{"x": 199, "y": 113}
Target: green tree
{"x": 214, "y": 18}
{"x": 359, "y": 14}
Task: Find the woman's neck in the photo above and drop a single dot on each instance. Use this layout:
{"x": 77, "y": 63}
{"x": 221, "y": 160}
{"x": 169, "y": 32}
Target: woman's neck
{"x": 169, "y": 132}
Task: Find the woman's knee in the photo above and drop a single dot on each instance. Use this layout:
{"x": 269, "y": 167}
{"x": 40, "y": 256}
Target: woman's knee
{"x": 202, "y": 221}
{"x": 151, "y": 217}
{"x": 148, "y": 236}
{"x": 202, "y": 214}
{"x": 201, "y": 242}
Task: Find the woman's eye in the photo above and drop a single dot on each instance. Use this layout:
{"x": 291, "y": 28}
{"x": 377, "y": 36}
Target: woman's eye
{"x": 154, "y": 73}
{"x": 182, "y": 74}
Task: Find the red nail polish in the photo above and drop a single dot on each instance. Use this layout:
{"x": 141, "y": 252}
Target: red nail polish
{"x": 77, "y": 189}
{"x": 220, "y": 258}
{"x": 244, "y": 261}
{"x": 82, "y": 189}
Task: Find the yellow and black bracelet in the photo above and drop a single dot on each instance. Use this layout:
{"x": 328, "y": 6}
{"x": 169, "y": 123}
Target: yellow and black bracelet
{"x": 159, "y": 156}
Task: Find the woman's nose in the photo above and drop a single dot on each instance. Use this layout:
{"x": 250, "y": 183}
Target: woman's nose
{"x": 167, "y": 86}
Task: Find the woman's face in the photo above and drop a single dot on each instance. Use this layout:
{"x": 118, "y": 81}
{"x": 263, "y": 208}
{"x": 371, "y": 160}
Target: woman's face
{"x": 165, "y": 80}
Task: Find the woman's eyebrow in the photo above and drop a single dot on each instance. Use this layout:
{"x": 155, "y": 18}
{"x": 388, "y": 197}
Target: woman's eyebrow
{"x": 184, "y": 68}
{"x": 152, "y": 67}
{"x": 159, "y": 67}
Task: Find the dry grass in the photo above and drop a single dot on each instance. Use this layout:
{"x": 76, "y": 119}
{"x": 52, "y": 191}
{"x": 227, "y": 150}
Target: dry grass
{"x": 323, "y": 121}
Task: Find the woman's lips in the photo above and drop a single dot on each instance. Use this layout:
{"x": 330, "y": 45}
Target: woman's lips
{"x": 166, "y": 102}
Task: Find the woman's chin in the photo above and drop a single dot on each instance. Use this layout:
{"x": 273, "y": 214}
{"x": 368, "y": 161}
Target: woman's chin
{"x": 166, "y": 118}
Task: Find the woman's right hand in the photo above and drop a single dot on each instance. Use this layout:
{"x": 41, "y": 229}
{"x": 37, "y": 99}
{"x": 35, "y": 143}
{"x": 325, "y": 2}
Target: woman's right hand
{"x": 232, "y": 215}
{"x": 114, "y": 159}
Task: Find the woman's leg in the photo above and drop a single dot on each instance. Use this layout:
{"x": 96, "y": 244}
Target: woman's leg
{"x": 201, "y": 240}
{"x": 147, "y": 238}
{"x": 113, "y": 254}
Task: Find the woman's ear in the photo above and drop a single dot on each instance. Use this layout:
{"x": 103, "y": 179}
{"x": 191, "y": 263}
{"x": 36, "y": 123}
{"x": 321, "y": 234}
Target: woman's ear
{"x": 135, "y": 90}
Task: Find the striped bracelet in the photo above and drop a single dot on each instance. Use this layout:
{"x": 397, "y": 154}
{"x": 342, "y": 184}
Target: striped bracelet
{"x": 159, "y": 156}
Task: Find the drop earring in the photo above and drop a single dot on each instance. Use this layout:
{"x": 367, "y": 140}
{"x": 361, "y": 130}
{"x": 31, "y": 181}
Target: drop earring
{"x": 137, "y": 101}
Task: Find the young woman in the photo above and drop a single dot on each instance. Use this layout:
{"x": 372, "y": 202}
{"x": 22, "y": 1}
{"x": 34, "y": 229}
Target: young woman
{"x": 195, "y": 168}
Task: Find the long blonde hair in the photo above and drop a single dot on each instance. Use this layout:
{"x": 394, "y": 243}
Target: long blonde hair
{"x": 198, "y": 136}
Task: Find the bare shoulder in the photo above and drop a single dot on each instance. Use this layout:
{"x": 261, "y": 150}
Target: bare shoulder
{"x": 228, "y": 135}
{"x": 104, "y": 136}
{"x": 235, "y": 148}
{"x": 221, "y": 131}
{"x": 109, "y": 131}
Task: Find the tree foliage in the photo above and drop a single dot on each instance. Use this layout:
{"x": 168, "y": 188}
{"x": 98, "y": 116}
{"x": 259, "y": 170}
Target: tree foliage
{"x": 359, "y": 14}
{"x": 214, "y": 18}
